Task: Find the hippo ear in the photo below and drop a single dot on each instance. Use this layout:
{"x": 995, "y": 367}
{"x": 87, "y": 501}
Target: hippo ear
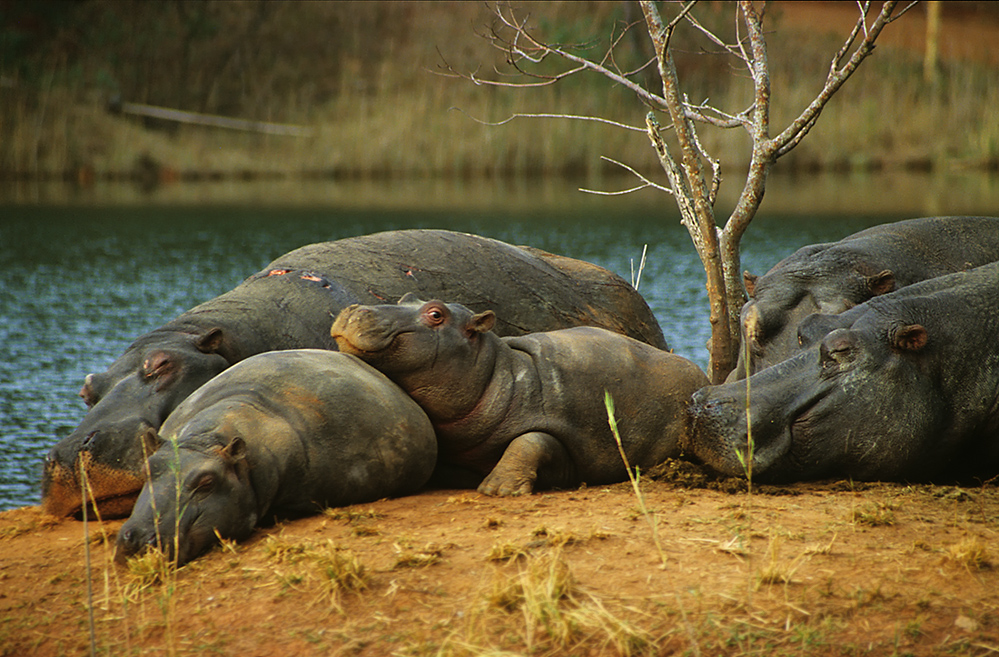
{"x": 482, "y": 323}
{"x": 909, "y": 338}
{"x": 235, "y": 451}
{"x": 87, "y": 392}
{"x": 750, "y": 282}
{"x": 151, "y": 442}
{"x": 209, "y": 342}
{"x": 881, "y": 283}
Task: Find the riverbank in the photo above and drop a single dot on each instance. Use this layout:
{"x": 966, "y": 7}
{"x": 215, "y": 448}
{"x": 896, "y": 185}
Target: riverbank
{"x": 835, "y": 568}
{"x": 375, "y": 106}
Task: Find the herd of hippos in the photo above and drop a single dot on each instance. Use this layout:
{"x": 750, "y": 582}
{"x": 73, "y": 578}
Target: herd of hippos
{"x": 364, "y": 368}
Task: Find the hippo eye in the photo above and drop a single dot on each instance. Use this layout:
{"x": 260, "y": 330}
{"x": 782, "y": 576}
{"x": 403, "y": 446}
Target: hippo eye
{"x": 837, "y": 352}
{"x": 204, "y": 484}
{"x": 435, "y": 316}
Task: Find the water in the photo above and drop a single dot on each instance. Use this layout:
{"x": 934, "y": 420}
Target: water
{"x": 84, "y": 273}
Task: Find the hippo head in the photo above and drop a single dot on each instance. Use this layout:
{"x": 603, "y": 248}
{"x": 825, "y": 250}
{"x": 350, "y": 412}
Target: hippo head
{"x": 133, "y": 397}
{"x": 435, "y": 351}
{"x": 194, "y": 495}
{"x": 780, "y": 300}
{"x": 858, "y": 403}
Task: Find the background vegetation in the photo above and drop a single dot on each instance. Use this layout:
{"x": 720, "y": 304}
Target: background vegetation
{"x": 361, "y": 76}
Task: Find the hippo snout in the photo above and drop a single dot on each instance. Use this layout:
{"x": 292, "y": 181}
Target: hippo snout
{"x": 717, "y": 430}
{"x": 132, "y": 541}
{"x": 362, "y": 329}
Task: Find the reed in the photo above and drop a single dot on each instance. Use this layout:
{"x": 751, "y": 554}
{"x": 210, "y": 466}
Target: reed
{"x": 377, "y": 108}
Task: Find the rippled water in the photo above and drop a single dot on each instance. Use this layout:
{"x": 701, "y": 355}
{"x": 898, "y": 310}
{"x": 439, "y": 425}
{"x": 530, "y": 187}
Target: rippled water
{"x": 79, "y": 281}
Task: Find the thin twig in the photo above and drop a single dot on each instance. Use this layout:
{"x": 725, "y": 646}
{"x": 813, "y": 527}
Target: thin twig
{"x": 636, "y": 280}
{"x": 523, "y": 115}
{"x": 648, "y": 183}
{"x": 617, "y": 193}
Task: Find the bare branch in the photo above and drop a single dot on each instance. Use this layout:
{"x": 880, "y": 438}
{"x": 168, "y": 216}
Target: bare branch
{"x": 736, "y": 51}
{"x": 715, "y": 168}
{"x": 536, "y": 51}
{"x": 681, "y": 191}
{"x": 648, "y": 183}
{"x": 800, "y": 126}
{"x": 622, "y": 192}
{"x": 722, "y": 120}
{"x": 684, "y": 13}
{"x": 521, "y": 115}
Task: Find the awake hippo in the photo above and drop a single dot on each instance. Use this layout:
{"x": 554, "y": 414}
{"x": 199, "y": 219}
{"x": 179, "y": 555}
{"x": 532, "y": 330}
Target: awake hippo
{"x": 904, "y": 386}
{"x": 526, "y": 412}
{"x": 830, "y": 278}
{"x": 289, "y": 305}
{"x": 279, "y": 435}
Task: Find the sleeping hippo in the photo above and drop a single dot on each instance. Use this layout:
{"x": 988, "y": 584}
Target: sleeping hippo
{"x": 280, "y": 434}
{"x": 523, "y": 413}
{"x": 289, "y": 305}
{"x": 830, "y": 278}
{"x": 902, "y": 387}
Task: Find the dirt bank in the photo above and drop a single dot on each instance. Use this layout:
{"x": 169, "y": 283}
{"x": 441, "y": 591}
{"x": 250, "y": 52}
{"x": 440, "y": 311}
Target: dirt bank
{"x": 818, "y": 569}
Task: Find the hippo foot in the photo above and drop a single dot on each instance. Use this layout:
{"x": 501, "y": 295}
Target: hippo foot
{"x": 507, "y": 485}
{"x": 528, "y": 458}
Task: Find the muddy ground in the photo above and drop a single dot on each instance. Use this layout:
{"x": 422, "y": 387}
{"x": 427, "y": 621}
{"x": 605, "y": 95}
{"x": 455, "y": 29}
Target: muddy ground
{"x": 834, "y": 568}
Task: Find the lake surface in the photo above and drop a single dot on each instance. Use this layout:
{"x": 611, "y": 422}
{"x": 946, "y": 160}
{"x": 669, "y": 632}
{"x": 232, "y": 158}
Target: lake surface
{"x": 84, "y": 272}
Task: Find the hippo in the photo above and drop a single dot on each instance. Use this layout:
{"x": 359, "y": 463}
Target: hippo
{"x": 279, "y": 435}
{"x": 902, "y": 387}
{"x": 833, "y": 277}
{"x": 290, "y": 305}
{"x": 524, "y": 413}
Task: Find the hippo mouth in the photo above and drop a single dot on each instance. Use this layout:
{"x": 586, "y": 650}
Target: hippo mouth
{"x": 112, "y": 491}
{"x": 365, "y": 345}
{"x": 358, "y": 331}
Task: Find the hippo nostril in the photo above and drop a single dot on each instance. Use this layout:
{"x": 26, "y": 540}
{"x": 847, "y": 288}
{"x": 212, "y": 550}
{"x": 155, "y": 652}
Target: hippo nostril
{"x": 88, "y": 440}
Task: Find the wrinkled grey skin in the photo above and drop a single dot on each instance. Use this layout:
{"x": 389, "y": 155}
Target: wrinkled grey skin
{"x": 902, "y": 387}
{"x": 289, "y": 305}
{"x": 527, "y": 412}
{"x": 281, "y": 434}
{"x": 834, "y": 277}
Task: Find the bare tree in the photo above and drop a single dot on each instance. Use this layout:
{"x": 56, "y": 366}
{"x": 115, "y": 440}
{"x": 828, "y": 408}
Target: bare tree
{"x": 694, "y": 175}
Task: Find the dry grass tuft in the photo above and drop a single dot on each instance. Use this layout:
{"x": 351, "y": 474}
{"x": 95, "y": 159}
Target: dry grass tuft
{"x": 146, "y": 570}
{"x": 430, "y": 554}
{"x": 557, "y": 613}
{"x": 505, "y": 552}
{"x": 874, "y": 514}
{"x": 322, "y": 565}
{"x": 970, "y": 552}
{"x": 353, "y": 515}
{"x": 775, "y": 570}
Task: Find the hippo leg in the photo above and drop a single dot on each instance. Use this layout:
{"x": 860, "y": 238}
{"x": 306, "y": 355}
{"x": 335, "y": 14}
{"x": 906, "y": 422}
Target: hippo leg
{"x": 530, "y": 458}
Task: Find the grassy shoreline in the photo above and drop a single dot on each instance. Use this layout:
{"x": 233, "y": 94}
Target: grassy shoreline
{"x": 376, "y": 109}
